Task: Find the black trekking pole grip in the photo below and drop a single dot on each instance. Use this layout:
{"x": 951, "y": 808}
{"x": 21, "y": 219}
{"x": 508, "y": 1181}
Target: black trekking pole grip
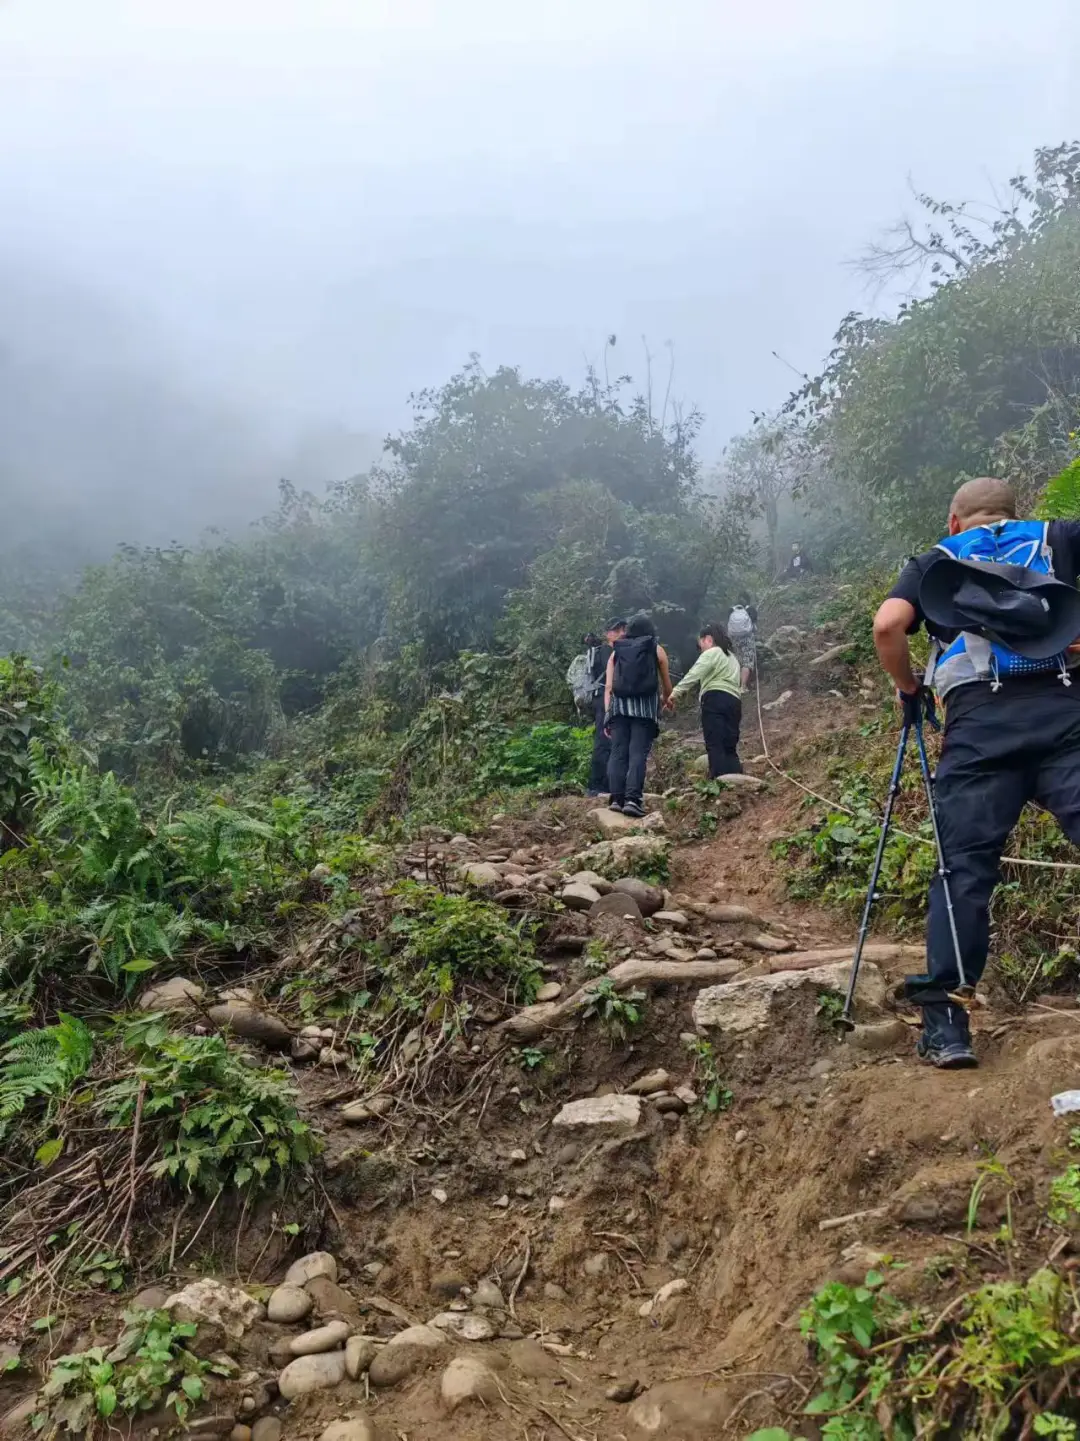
{"x": 886, "y": 820}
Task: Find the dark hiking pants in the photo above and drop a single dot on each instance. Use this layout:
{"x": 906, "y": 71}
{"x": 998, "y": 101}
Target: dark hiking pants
{"x": 631, "y": 741}
{"x": 721, "y": 716}
{"x": 601, "y": 752}
{"x": 1011, "y": 749}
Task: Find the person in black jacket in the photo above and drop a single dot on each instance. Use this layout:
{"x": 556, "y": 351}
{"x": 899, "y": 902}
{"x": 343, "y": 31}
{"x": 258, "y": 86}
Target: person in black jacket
{"x": 600, "y": 654}
{"x": 1012, "y": 733}
{"x": 637, "y": 679}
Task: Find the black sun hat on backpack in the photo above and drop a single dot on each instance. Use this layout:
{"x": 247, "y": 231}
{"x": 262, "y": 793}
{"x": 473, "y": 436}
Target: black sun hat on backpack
{"x": 1033, "y": 614}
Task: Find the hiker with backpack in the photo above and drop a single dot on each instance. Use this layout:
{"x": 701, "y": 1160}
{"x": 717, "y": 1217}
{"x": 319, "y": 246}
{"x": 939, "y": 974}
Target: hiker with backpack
{"x": 741, "y": 629}
{"x": 717, "y": 675}
{"x": 586, "y": 680}
{"x": 998, "y": 597}
{"x": 637, "y": 674}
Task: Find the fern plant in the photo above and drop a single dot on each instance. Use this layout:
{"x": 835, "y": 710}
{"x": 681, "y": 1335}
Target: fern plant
{"x": 42, "y": 1065}
{"x": 96, "y": 820}
{"x": 1061, "y": 498}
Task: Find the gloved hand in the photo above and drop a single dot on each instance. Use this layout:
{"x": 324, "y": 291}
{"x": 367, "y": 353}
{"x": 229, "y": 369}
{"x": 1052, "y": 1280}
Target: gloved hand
{"x": 918, "y": 705}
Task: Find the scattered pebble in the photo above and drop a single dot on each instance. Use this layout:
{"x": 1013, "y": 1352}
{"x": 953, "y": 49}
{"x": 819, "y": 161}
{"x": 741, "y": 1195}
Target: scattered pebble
{"x": 360, "y": 1351}
{"x": 465, "y": 1325}
{"x": 288, "y": 1304}
{"x": 312, "y": 1373}
{"x": 323, "y": 1338}
{"x": 318, "y": 1263}
{"x": 623, "y": 1390}
{"x": 467, "y": 1378}
{"x": 350, "y": 1428}
{"x": 488, "y": 1296}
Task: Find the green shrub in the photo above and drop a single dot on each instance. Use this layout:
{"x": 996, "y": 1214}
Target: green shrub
{"x": 27, "y": 715}
{"x": 545, "y": 756}
{"x": 216, "y": 1121}
{"x": 838, "y": 853}
{"x": 887, "y": 1374}
{"x": 439, "y": 941}
{"x": 149, "y": 1366}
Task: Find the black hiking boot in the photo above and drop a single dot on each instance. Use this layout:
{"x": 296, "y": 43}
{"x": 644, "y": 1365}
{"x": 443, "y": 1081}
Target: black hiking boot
{"x": 945, "y": 1040}
{"x": 615, "y": 805}
{"x": 633, "y": 808}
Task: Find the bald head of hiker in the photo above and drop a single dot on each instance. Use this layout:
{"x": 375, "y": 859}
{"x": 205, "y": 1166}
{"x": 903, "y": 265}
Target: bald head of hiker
{"x": 983, "y": 501}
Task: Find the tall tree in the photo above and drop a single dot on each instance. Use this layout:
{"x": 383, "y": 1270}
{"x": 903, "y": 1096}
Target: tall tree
{"x": 473, "y": 492}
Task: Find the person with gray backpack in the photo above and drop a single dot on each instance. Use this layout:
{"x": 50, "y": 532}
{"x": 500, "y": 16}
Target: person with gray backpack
{"x": 586, "y": 680}
{"x": 741, "y": 632}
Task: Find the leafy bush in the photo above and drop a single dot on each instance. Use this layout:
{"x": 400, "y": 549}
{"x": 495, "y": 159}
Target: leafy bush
{"x": 441, "y": 940}
{"x": 1061, "y": 498}
{"x": 618, "y": 1012}
{"x": 838, "y": 852}
{"x": 149, "y": 1366}
{"x": 888, "y": 1374}
{"x": 27, "y": 715}
{"x": 545, "y": 755}
{"x": 217, "y": 1122}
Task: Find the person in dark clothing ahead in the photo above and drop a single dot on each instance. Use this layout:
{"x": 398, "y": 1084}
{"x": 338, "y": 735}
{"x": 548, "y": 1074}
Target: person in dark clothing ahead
{"x": 636, "y": 674}
{"x": 1012, "y": 716}
{"x": 599, "y": 655}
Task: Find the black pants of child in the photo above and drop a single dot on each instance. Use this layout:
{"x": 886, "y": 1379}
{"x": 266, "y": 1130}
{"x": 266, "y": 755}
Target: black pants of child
{"x": 721, "y": 716}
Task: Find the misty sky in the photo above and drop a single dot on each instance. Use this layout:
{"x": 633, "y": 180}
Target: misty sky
{"x": 236, "y": 228}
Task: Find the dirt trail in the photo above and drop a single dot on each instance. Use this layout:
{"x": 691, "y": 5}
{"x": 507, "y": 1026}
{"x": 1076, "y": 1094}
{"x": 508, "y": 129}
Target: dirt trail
{"x": 827, "y": 1157}
{"x": 732, "y": 1205}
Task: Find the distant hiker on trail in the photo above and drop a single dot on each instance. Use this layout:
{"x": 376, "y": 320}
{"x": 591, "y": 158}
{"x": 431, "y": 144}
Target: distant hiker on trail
{"x": 599, "y": 653}
{"x": 716, "y": 673}
{"x": 799, "y": 564}
{"x": 741, "y": 628}
{"x": 1002, "y": 648}
{"x": 637, "y": 673}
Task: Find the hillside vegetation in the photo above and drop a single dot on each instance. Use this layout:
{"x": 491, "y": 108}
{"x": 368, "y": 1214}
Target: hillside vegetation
{"x": 232, "y": 777}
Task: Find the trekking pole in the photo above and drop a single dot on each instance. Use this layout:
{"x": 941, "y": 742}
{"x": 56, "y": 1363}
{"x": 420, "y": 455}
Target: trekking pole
{"x": 871, "y": 895}
{"x": 943, "y": 870}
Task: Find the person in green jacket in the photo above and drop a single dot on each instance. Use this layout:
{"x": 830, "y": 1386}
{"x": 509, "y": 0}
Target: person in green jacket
{"x": 717, "y": 674}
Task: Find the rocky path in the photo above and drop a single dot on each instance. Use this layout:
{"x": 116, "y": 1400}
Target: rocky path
{"x": 610, "y": 1239}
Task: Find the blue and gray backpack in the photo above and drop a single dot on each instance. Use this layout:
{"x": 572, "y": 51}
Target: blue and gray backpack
{"x": 973, "y": 657}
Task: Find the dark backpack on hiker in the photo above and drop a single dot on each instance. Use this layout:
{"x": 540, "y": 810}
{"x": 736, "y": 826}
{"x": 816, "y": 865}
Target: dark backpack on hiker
{"x": 635, "y": 666}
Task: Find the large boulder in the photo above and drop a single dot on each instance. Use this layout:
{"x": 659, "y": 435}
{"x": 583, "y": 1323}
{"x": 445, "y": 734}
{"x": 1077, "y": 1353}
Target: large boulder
{"x": 577, "y": 896}
{"x": 616, "y": 903}
{"x": 612, "y": 824}
{"x": 482, "y": 876}
{"x": 211, "y": 1303}
{"x": 600, "y": 884}
{"x": 737, "y": 1007}
{"x": 312, "y": 1373}
{"x": 179, "y": 993}
{"x": 627, "y": 856}
{"x": 467, "y": 1378}
{"x": 251, "y": 1024}
{"x": 648, "y": 899}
